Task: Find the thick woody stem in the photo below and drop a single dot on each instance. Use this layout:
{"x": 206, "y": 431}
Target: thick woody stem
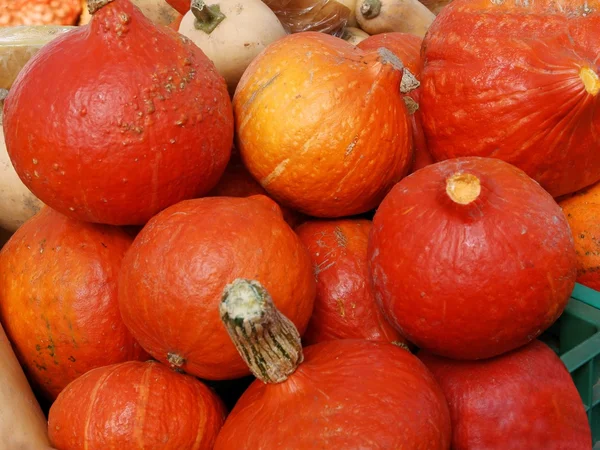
{"x": 207, "y": 17}
{"x": 95, "y": 5}
{"x": 267, "y": 340}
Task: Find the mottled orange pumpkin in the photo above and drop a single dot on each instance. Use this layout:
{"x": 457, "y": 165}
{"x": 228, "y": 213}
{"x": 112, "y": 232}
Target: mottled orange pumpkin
{"x": 583, "y": 214}
{"x": 345, "y": 306}
{"x": 58, "y": 299}
{"x": 133, "y": 406}
{"x": 321, "y": 124}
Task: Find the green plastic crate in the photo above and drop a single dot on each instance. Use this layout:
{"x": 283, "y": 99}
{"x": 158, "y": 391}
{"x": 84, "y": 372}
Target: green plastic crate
{"x": 576, "y": 339}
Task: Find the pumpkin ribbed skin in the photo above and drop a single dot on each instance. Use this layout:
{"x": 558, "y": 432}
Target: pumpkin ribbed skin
{"x": 203, "y": 245}
{"x": 583, "y": 214}
{"x": 524, "y": 399}
{"x": 135, "y": 405}
{"x": 322, "y": 125}
{"x": 345, "y": 305}
{"x": 472, "y": 280}
{"x": 143, "y": 122}
{"x": 58, "y": 299}
{"x": 516, "y": 81}
{"x": 346, "y": 394}
{"x": 407, "y": 47}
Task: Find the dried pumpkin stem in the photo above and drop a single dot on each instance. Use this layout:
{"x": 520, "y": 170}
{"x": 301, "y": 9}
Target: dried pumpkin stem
{"x": 370, "y": 8}
{"x": 411, "y": 105}
{"x": 463, "y": 188}
{"x": 409, "y": 81}
{"x": 95, "y": 5}
{"x": 591, "y": 81}
{"x": 267, "y": 340}
{"x": 207, "y": 17}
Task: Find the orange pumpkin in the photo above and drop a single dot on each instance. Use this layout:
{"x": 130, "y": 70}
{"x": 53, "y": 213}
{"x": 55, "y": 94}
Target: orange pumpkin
{"x": 58, "y": 299}
{"x": 407, "y": 47}
{"x": 172, "y": 278}
{"x": 135, "y": 405}
{"x": 345, "y": 306}
{"x": 322, "y": 125}
{"x": 583, "y": 214}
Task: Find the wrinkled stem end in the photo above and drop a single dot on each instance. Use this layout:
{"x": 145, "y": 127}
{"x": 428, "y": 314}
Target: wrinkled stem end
{"x": 409, "y": 82}
{"x": 463, "y": 188}
{"x": 95, "y": 5}
{"x": 402, "y": 345}
{"x": 590, "y": 80}
{"x": 411, "y": 105}
{"x": 370, "y": 8}
{"x": 207, "y": 17}
{"x": 266, "y": 340}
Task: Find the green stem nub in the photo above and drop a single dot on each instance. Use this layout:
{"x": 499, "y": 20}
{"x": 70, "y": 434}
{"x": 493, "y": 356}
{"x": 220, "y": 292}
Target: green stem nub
{"x": 207, "y": 17}
{"x": 370, "y": 8}
{"x": 266, "y": 340}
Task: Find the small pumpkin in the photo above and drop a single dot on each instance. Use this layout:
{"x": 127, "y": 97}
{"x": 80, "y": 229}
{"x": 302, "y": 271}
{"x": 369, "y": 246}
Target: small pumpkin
{"x": 354, "y": 35}
{"x": 583, "y": 214}
{"x": 522, "y": 399}
{"x": 58, "y": 299}
{"x": 201, "y": 244}
{"x": 231, "y": 33}
{"x": 135, "y": 405}
{"x": 385, "y": 16}
{"x": 471, "y": 258}
{"x": 533, "y": 104}
{"x": 39, "y": 12}
{"x": 407, "y": 47}
{"x": 127, "y": 146}
{"x": 344, "y": 393}
{"x": 345, "y": 305}
{"x": 158, "y": 11}
{"x": 17, "y": 203}
{"x": 325, "y": 16}
{"x": 340, "y": 140}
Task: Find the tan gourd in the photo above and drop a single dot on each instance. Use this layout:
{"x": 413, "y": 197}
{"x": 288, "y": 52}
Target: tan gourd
{"x": 22, "y": 423}
{"x": 384, "y": 16}
{"x": 354, "y": 35}
{"x": 231, "y": 33}
{"x": 351, "y": 5}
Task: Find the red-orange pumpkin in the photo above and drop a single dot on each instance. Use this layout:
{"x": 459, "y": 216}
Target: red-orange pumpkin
{"x": 345, "y": 305}
{"x": 173, "y": 276}
{"x": 407, "y": 47}
{"x": 133, "y": 119}
{"x": 471, "y": 258}
{"x": 135, "y": 405}
{"x": 517, "y": 81}
{"x": 341, "y": 394}
{"x": 58, "y": 299}
{"x": 524, "y": 399}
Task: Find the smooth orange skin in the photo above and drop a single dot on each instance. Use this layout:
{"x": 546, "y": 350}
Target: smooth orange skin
{"x": 173, "y": 278}
{"x": 524, "y": 399}
{"x": 407, "y": 47}
{"x": 135, "y": 406}
{"x": 322, "y": 125}
{"x": 583, "y": 214}
{"x": 347, "y": 394}
{"x": 58, "y": 299}
{"x": 133, "y": 119}
{"x": 501, "y": 79}
{"x": 345, "y": 305}
{"x": 471, "y": 281}
{"x": 237, "y": 182}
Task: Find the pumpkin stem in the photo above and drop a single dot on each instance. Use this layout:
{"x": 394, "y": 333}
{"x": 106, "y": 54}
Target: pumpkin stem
{"x": 590, "y": 80}
{"x": 267, "y": 340}
{"x": 402, "y": 345}
{"x": 207, "y": 17}
{"x": 176, "y": 361}
{"x": 370, "y": 8}
{"x": 411, "y": 105}
{"x": 463, "y": 188}
{"x": 95, "y": 5}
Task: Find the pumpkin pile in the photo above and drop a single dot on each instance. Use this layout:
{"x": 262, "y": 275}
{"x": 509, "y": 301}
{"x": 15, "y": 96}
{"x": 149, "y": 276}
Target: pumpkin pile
{"x": 295, "y": 223}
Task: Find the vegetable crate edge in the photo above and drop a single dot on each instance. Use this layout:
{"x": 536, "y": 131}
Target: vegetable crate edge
{"x": 576, "y": 339}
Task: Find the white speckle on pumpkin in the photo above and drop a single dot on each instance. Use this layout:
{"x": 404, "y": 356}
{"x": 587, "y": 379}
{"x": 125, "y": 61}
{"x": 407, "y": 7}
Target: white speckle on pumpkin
{"x": 35, "y": 161}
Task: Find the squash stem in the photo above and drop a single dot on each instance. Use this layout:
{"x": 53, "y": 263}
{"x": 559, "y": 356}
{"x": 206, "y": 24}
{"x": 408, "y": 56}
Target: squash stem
{"x": 266, "y": 340}
{"x": 207, "y": 17}
{"x": 370, "y": 8}
{"x": 95, "y": 5}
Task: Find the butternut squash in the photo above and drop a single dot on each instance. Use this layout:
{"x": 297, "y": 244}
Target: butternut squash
{"x": 384, "y": 16}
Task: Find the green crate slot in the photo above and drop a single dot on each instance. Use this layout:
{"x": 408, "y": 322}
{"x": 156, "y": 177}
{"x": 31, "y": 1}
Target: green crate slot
{"x": 576, "y": 339}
